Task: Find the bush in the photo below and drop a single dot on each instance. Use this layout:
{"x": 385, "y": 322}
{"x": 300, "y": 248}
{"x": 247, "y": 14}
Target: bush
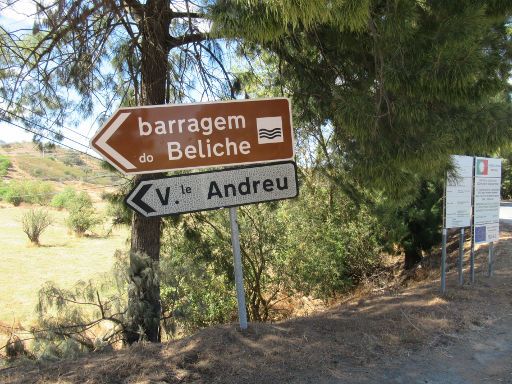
{"x": 34, "y": 223}
{"x": 81, "y": 214}
{"x": 5, "y": 163}
{"x": 64, "y": 199}
{"x": 73, "y": 159}
{"x": 194, "y": 293}
{"x": 4, "y": 188}
{"x": 28, "y": 191}
{"x": 116, "y": 208}
{"x": 332, "y": 245}
{"x": 12, "y": 197}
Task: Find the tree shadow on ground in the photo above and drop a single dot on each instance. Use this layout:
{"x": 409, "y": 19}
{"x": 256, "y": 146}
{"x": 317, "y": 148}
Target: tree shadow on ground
{"x": 344, "y": 343}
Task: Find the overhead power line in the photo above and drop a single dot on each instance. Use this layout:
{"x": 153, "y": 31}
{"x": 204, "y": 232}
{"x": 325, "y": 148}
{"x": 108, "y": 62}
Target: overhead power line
{"x": 45, "y": 118}
{"x": 48, "y": 138}
{"x": 45, "y": 129}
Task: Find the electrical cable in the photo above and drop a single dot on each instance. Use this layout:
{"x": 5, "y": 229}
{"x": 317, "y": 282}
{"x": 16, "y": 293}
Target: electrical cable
{"x": 48, "y": 138}
{"x": 45, "y": 128}
{"x": 44, "y": 117}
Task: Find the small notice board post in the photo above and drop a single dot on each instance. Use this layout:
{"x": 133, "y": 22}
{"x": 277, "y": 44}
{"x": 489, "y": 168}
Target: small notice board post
{"x": 457, "y": 209}
{"x": 486, "y": 208}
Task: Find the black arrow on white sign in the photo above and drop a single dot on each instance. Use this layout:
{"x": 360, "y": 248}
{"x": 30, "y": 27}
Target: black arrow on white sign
{"x": 139, "y": 203}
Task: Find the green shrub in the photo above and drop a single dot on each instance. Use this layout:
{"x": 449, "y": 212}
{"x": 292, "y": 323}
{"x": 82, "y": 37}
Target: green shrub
{"x": 332, "y": 246}
{"x": 28, "y": 191}
{"x": 64, "y": 199}
{"x": 116, "y": 208}
{"x": 82, "y": 216}
{"x": 13, "y": 198}
{"x": 72, "y": 159}
{"x": 194, "y": 294}
{"x": 34, "y": 222}
{"x": 4, "y": 188}
{"x": 5, "y": 163}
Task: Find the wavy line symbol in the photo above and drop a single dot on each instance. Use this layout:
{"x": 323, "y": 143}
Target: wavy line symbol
{"x": 270, "y": 130}
{"x": 274, "y": 134}
{"x": 263, "y": 130}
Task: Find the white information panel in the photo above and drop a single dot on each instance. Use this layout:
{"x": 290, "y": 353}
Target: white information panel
{"x": 487, "y": 200}
{"x": 459, "y": 189}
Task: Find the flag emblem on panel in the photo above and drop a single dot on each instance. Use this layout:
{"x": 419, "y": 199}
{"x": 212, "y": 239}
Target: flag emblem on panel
{"x": 482, "y": 167}
{"x": 270, "y": 130}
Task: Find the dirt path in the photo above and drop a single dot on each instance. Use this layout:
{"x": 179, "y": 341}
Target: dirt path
{"x": 484, "y": 355}
{"x": 406, "y": 335}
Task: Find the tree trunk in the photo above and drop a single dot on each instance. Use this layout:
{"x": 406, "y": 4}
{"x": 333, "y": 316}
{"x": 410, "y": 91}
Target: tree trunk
{"x": 144, "y": 308}
{"x": 412, "y": 257}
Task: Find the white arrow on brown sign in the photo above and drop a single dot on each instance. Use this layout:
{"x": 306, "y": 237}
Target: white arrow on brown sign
{"x": 161, "y": 138}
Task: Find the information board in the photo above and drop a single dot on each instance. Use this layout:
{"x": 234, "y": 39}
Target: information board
{"x": 487, "y": 199}
{"x": 459, "y": 189}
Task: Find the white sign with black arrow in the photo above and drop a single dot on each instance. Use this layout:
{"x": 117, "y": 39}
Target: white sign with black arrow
{"x": 216, "y": 189}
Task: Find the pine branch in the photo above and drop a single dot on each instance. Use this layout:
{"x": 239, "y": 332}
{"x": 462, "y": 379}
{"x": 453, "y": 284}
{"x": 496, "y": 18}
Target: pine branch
{"x": 136, "y": 7}
{"x": 173, "y": 42}
{"x": 192, "y": 15}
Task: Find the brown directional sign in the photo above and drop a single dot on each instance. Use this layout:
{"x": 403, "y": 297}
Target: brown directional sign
{"x": 171, "y": 137}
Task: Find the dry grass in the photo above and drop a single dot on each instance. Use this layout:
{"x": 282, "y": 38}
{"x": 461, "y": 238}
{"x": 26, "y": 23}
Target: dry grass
{"x": 349, "y": 342}
{"x": 61, "y": 258}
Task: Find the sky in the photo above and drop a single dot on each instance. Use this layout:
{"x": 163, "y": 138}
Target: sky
{"x": 19, "y": 15}
{"x": 16, "y": 15}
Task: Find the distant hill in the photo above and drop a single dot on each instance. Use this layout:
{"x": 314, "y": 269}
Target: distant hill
{"x": 57, "y": 164}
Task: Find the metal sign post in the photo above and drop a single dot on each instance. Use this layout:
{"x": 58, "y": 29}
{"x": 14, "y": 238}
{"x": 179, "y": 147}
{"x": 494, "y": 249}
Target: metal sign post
{"x": 491, "y": 251}
{"x": 161, "y": 138}
{"x": 461, "y": 256}
{"x": 239, "y": 278}
{"x": 472, "y": 259}
{"x": 443, "y": 262}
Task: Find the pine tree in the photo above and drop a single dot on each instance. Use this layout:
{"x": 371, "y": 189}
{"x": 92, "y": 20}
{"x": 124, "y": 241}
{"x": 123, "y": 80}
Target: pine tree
{"x": 397, "y": 85}
{"x": 402, "y": 83}
{"x": 81, "y": 54}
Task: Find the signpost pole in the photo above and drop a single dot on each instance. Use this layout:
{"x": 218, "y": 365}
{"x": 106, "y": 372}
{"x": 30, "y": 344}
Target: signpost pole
{"x": 461, "y": 256}
{"x": 239, "y": 278}
{"x": 443, "y": 263}
{"x": 472, "y": 230}
{"x": 491, "y": 250}
{"x": 472, "y": 258}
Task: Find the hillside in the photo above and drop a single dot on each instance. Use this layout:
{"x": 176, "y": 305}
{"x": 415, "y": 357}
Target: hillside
{"x": 406, "y": 334}
{"x": 59, "y": 165}
{"x": 62, "y": 257}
